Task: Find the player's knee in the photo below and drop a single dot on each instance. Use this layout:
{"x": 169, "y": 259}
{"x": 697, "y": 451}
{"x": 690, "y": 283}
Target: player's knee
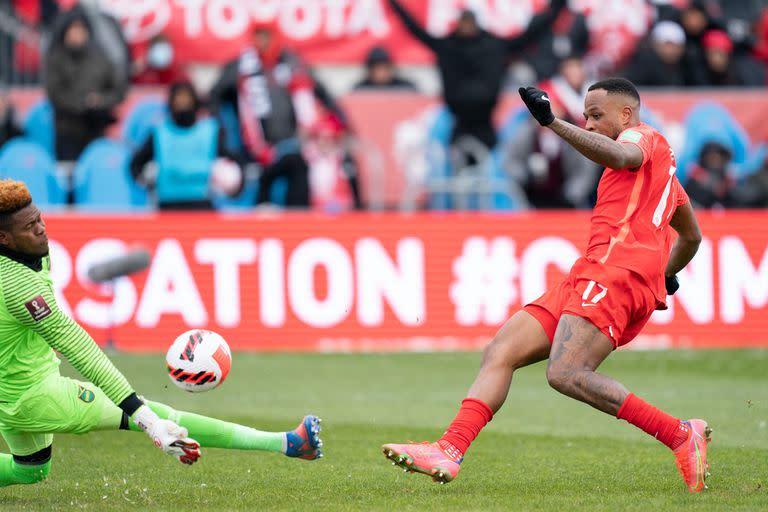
{"x": 504, "y": 352}
{"x": 560, "y": 377}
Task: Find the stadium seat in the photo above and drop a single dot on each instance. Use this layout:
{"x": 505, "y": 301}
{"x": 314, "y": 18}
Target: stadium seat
{"x": 140, "y": 120}
{"x": 25, "y": 160}
{"x": 39, "y": 127}
{"x": 102, "y": 179}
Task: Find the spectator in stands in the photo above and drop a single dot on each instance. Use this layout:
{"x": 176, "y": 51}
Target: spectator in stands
{"x": 158, "y": 64}
{"x": 472, "y": 65}
{"x": 9, "y": 127}
{"x": 20, "y": 41}
{"x": 761, "y": 39}
{"x": 274, "y": 97}
{"x": 753, "y": 192}
{"x": 725, "y": 69}
{"x": 695, "y": 20}
{"x": 658, "y": 62}
{"x": 569, "y": 36}
{"x": 381, "y": 74}
{"x": 551, "y": 172}
{"x": 710, "y": 181}
{"x": 81, "y": 84}
{"x": 184, "y": 149}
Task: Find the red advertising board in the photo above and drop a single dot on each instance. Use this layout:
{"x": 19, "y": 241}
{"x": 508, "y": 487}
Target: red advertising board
{"x": 360, "y": 282}
{"x": 342, "y": 31}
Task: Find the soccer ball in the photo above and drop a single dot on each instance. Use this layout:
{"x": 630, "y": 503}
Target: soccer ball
{"x": 198, "y": 360}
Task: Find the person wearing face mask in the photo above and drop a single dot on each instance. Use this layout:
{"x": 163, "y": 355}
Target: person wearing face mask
{"x": 81, "y": 85}
{"x": 185, "y": 150}
{"x": 158, "y": 65}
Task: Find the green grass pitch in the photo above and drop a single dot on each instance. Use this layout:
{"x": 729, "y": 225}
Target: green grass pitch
{"x": 541, "y": 452}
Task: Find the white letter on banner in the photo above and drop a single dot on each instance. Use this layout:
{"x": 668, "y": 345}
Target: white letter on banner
{"x": 334, "y": 17}
{"x": 121, "y": 308}
{"x": 301, "y": 282}
{"x": 223, "y": 26}
{"x": 368, "y": 16}
{"x": 170, "y": 289}
{"x": 542, "y": 252}
{"x": 740, "y": 280}
{"x": 301, "y": 19}
{"x": 378, "y": 278}
{"x": 226, "y": 256}
{"x": 272, "y": 282}
{"x": 483, "y": 289}
{"x": 61, "y": 273}
{"x": 696, "y": 294}
{"x": 193, "y": 17}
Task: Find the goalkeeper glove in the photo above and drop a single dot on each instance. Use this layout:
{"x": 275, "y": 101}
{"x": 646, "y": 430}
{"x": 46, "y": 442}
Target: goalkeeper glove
{"x": 538, "y": 103}
{"x": 167, "y": 435}
{"x": 672, "y": 284}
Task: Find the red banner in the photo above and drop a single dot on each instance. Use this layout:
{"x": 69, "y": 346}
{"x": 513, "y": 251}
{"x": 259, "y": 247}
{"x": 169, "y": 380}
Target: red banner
{"x": 342, "y": 31}
{"x": 379, "y": 282}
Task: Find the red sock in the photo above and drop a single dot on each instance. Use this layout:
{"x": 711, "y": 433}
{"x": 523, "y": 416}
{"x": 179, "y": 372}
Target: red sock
{"x": 667, "y": 429}
{"x": 473, "y": 415}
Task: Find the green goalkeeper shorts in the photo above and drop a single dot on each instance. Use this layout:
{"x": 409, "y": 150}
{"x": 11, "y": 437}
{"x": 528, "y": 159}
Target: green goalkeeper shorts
{"x": 55, "y": 405}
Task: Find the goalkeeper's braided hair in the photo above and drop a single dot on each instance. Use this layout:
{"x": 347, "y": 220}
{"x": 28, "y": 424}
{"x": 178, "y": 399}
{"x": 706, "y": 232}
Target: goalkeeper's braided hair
{"x": 14, "y": 196}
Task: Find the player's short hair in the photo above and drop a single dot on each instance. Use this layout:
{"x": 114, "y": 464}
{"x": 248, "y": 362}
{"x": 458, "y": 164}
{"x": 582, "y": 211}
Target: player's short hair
{"x": 617, "y": 86}
{"x": 14, "y": 196}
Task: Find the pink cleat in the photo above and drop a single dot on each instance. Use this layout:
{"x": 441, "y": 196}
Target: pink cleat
{"x": 691, "y": 456}
{"x": 426, "y": 458}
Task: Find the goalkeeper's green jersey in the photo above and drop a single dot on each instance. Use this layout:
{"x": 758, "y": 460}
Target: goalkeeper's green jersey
{"x": 32, "y": 326}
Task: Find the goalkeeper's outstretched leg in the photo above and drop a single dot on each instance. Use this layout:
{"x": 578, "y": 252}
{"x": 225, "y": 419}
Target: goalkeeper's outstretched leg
{"x": 302, "y": 442}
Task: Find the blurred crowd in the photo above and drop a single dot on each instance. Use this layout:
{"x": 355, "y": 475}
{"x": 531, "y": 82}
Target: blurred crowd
{"x": 269, "y": 114}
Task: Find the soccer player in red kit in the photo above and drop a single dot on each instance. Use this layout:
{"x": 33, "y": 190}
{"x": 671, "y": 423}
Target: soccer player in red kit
{"x": 627, "y": 272}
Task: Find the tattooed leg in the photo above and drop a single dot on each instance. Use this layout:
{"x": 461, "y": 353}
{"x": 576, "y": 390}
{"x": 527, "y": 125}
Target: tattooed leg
{"x": 577, "y": 350}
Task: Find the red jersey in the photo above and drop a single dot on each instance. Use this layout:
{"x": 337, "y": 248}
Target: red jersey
{"x": 630, "y": 222}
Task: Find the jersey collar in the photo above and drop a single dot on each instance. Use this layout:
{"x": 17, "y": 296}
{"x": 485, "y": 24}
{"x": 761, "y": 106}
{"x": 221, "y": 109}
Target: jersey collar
{"x": 33, "y": 262}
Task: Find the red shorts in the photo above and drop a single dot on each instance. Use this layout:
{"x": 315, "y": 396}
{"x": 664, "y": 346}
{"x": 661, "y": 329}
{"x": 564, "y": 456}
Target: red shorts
{"x": 615, "y": 300}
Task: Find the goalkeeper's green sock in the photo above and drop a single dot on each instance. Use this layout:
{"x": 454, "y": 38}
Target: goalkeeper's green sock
{"x": 213, "y": 433}
{"x": 11, "y": 472}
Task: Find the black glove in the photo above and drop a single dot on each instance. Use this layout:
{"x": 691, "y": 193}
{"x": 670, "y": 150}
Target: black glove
{"x": 538, "y": 103}
{"x": 672, "y": 284}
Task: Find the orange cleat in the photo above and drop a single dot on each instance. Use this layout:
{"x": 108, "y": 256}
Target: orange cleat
{"x": 691, "y": 456}
{"x": 426, "y": 458}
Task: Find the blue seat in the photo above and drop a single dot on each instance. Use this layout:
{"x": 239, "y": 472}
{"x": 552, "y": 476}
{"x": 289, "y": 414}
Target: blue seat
{"x": 25, "y": 160}
{"x": 102, "y": 179}
{"x": 39, "y": 126}
{"x": 144, "y": 116}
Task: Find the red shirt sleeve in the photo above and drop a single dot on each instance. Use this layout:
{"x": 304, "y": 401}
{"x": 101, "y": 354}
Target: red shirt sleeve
{"x": 640, "y": 138}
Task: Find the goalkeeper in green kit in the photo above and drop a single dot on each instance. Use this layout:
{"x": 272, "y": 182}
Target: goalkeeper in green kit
{"x": 36, "y": 401}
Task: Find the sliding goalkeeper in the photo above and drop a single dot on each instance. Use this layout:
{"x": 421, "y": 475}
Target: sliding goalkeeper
{"x": 36, "y": 401}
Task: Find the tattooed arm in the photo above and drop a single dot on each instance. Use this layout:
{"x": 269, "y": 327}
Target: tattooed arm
{"x": 599, "y": 148}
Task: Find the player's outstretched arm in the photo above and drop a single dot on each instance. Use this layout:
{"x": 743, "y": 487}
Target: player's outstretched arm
{"x": 597, "y": 147}
{"x": 34, "y": 306}
{"x": 689, "y": 237}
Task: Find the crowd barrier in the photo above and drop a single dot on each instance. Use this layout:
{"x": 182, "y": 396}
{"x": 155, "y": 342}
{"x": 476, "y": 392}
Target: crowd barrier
{"x": 379, "y": 282}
